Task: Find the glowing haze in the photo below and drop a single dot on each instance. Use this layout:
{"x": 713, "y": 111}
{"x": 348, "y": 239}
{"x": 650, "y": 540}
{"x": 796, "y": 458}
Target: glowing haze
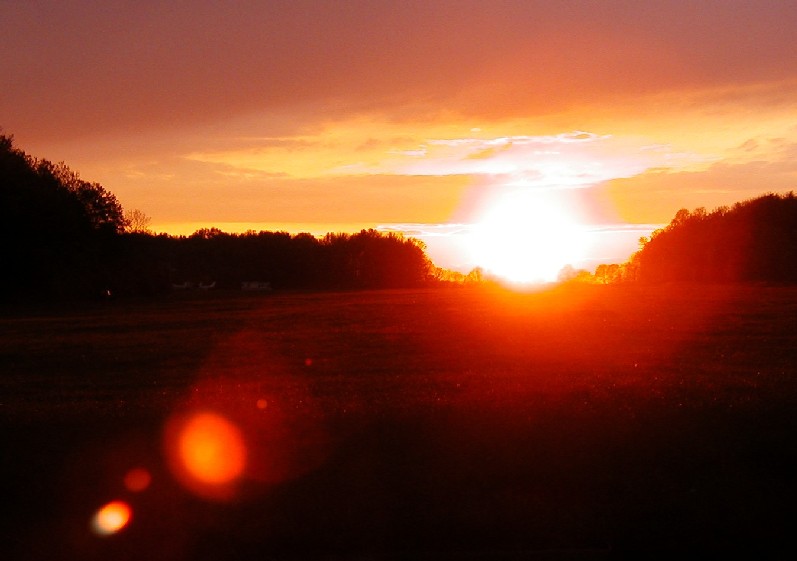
{"x": 413, "y": 116}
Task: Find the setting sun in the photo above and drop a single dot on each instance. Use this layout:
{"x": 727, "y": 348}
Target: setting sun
{"x": 453, "y": 279}
{"x": 527, "y": 237}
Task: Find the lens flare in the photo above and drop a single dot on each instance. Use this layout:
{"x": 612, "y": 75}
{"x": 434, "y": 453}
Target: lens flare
{"x": 111, "y": 518}
{"x": 212, "y": 449}
{"x": 207, "y": 453}
{"x": 137, "y": 480}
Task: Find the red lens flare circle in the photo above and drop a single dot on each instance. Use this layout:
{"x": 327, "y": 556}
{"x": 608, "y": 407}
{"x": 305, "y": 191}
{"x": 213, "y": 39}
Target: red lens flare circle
{"x": 207, "y": 453}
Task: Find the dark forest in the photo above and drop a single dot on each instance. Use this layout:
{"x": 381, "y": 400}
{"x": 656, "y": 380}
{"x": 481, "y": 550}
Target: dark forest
{"x": 753, "y": 241}
{"x": 66, "y": 238}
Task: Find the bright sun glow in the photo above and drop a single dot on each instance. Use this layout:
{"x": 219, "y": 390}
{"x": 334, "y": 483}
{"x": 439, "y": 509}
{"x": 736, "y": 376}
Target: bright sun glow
{"x": 527, "y": 237}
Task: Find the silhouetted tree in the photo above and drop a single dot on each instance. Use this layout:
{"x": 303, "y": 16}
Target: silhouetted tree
{"x": 99, "y": 206}
{"x": 136, "y": 221}
{"x": 609, "y": 273}
{"x": 56, "y": 230}
{"x": 755, "y": 240}
{"x": 475, "y": 276}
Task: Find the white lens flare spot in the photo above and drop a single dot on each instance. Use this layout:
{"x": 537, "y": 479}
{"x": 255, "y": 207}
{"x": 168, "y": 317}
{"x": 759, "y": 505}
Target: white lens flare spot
{"x": 111, "y": 518}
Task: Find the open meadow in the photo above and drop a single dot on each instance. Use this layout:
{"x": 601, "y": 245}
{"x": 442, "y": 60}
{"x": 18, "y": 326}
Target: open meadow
{"x": 472, "y": 423}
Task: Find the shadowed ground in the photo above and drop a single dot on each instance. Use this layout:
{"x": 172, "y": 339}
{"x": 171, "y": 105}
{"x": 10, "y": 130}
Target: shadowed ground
{"x": 581, "y": 422}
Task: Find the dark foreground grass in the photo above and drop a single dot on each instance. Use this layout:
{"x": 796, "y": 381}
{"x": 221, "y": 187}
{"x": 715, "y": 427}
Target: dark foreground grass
{"x": 579, "y": 423}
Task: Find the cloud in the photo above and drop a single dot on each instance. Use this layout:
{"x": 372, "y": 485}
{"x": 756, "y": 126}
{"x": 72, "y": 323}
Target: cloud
{"x": 427, "y": 230}
{"x": 573, "y": 159}
{"x": 80, "y": 69}
{"x": 566, "y": 160}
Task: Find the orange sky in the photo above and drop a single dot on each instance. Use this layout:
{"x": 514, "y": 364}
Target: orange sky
{"x": 314, "y": 115}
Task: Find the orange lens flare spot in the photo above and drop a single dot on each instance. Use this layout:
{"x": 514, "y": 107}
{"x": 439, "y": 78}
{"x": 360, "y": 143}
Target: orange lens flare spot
{"x": 207, "y": 453}
{"x": 262, "y": 403}
{"x": 212, "y": 449}
{"x": 137, "y": 480}
{"x": 111, "y": 518}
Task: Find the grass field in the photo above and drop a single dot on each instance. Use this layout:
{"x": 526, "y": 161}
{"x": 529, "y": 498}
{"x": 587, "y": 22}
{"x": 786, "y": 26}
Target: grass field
{"x": 581, "y": 422}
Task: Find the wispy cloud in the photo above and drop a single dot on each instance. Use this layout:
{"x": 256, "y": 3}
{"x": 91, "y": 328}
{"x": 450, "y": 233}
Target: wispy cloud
{"x": 567, "y": 160}
{"x": 570, "y": 159}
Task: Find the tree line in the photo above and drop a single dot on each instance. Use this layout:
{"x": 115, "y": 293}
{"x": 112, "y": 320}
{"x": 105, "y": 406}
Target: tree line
{"x": 62, "y": 237}
{"x": 368, "y": 259}
{"x": 752, "y": 241}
